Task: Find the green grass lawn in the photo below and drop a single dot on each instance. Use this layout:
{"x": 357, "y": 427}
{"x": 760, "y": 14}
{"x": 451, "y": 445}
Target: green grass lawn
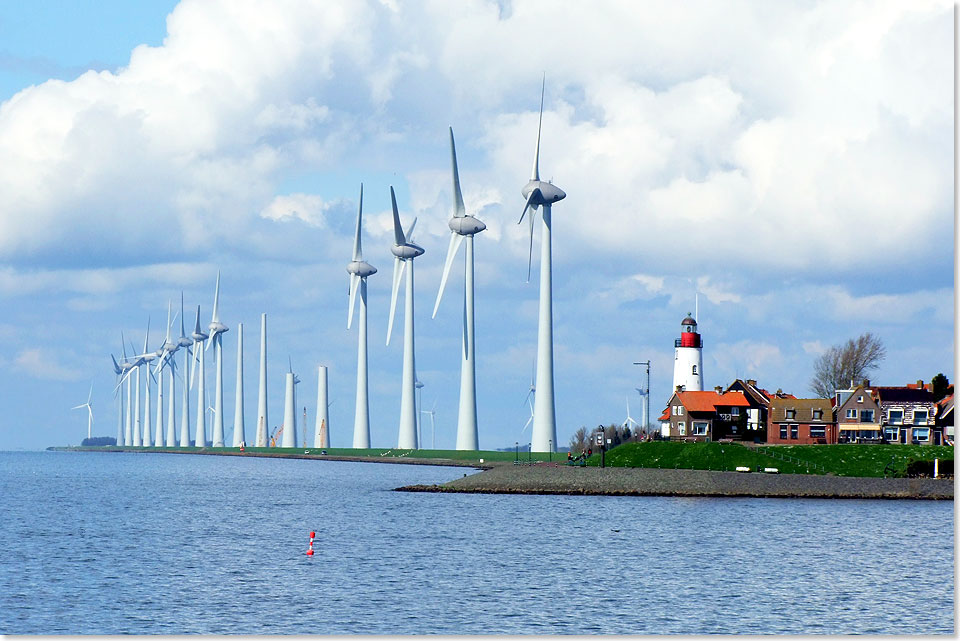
{"x": 840, "y": 460}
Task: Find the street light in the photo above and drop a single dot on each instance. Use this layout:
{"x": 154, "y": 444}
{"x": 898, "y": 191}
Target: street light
{"x": 516, "y": 444}
{"x": 646, "y": 394}
{"x": 550, "y": 449}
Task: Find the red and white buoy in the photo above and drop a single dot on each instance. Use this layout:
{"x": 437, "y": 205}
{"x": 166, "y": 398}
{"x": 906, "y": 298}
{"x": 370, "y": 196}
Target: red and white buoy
{"x": 310, "y": 548}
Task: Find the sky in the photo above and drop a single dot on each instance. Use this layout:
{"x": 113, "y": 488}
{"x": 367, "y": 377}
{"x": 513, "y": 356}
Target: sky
{"x": 785, "y": 167}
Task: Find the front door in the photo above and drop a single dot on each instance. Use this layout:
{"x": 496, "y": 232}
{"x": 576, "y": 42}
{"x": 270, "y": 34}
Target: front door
{"x": 936, "y": 438}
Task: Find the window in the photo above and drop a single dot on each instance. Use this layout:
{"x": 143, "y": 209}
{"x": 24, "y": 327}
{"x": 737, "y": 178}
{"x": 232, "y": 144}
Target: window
{"x": 859, "y": 399}
{"x": 794, "y": 431}
{"x": 700, "y": 428}
{"x": 678, "y": 410}
{"x": 919, "y": 417}
{"x": 852, "y": 413}
{"x": 895, "y": 417}
{"x": 921, "y": 434}
{"x": 694, "y": 370}
{"x": 891, "y": 434}
{"x": 866, "y": 416}
{"x": 734, "y": 411}
{"x": 818, "y": 431}
{"x": 791, "y": 414}
{"x": 818, "y": 415}
{"x": 783, "y": 432}
{"x": 682, "y": 428}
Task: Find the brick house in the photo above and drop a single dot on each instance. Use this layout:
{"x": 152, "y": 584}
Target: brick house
{"x": 945, "y": 418}
{"x": 801, "y": 421}
{"x": 908, "y": 415}
{"x": 757, "y": 413}
{"x": 857, "y": 415}
{"x": 705, "y": 416}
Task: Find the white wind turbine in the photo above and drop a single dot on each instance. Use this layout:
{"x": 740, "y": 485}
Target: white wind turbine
{"x": 136, "y": 363}
{"x": 543, "y": 194}
{"x": 404, "y": 252}
{"x": 289, "y": 410}
{"x": 239, "y": 438}
{"x": 532, "y": 392}
{"x": 217, "y": 330}
{"x": 627, "y": 422}
{"x": 165, "y": 358}
{"x": 89, "y": 412}
{"x": 200, "y": 440}
{"x": 463, "y": 226}
{"x": 433, "y": 433}
{"x": 126, "y": 367}
{"x": 117, "y": 395}
{"x": 359, "y": 270}
{"x": 147, "y": 358}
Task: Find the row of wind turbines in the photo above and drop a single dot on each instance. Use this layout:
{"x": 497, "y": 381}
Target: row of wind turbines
{"x": 538, "y": 194}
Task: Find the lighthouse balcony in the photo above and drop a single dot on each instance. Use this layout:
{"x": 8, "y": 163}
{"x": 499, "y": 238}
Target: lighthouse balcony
{"x": 687, "y": 342}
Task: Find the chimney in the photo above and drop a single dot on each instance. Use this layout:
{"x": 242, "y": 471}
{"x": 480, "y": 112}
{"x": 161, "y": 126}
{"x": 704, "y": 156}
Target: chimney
{"x": 779, "y": 392}
{"x": 920, "y": 384}
{"x": 718, "y": 389}
{"x": 752, "y": 382}
{"x": 866, "y": 382}
{"x": 679, "y": 388}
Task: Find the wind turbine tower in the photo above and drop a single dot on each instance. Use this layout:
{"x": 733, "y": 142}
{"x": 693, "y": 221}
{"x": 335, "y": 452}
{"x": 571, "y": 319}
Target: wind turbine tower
{"x": 543, "y": 194}
{"x": 404, "y": 252}
{"x": 289, "y": 410}
{"x": 200, "y": 440}
{"x": 238, "y": 436}
{"x": 463, "y": 227}
{"x": 185, "y": 342}
{"x": 118, "y": 371}
{"x": 321, "y": 437}
{"x": 217, "y": 330}
{"x": 359, "y": 270}
{"x": 262, "y": 401}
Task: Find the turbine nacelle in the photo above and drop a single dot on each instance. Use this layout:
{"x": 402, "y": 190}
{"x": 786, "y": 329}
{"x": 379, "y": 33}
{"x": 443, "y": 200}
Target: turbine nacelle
{"x": 199, "y": 337}
{"x": 217, "y": 327}
{"x": 361, "y": 268}
{"x": 184, "y": 341}
{"x": 466, "y": 225}
{"x": 406, "y": 251}
{"x": 539, "y": 193}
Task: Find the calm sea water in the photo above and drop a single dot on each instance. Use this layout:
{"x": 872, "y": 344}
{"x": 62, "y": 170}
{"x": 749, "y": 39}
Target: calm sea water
{"x": 166, "y": 544}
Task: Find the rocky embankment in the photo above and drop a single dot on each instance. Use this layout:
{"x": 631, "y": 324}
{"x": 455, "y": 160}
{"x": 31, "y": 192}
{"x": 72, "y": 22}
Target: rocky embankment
{"x": 620, "y": 481}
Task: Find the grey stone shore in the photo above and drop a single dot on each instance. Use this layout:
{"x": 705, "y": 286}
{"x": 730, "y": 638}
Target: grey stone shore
{"x": 620, "y": 481}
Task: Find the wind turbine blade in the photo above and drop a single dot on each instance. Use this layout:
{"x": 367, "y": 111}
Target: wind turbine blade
{"x": 168, "y": 319}
{"x": 78, "y": 406}
{"x": 146, "y": 338}
{"x": 183, "y": 331}
{"x": 458, "y": 209}
{"x": 90, "y": 393}
{"x": 193, "y": 367}
{"x": 527, "y": 424}
{"x": 208, "y": 343}
{"x": 528, "y": 205}
{"x": 410, "y": 230}
{"x": 455, "y": 240}
{"x": 530, "y": 251}
{"x": 357, "y": 250}
{"x": 397, "y": 229}
{"x": 535, "y": 175}
{"x": 216, "y": 301}
{"x": 354, "y": 286}
{"x": 398, "y": 266}
{"x": 90, "y": 409}
{"x": 197, "y": 328}
{"x": 123, "y": 345}
{"x": 116, "y": 366}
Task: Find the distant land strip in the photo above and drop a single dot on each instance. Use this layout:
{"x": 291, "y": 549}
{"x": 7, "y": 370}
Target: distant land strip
{"x": 561, "y": 479}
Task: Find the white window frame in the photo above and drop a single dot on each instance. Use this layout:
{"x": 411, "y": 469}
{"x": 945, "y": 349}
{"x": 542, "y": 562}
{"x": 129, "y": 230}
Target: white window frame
{"x": 926, "y": 417}
{"x": 790, "y": 414}
{"x": 817, "y": 415}
{"x": 821, "y": 429}
{"x": 891, "y": 433}
{"x": 700, "y": 425}
{"x": 859, "y": 399}
{"x": 734, "y": 411}
{"x": 873, "y": 415}
{"x": 890, "y": 416}
{"x": 851, "y": 412}
{"x": 784, "y": 431}
{"x": 679, "y": 410}
{"x": 926, "y": 432}
{"x": 794, "y": 431}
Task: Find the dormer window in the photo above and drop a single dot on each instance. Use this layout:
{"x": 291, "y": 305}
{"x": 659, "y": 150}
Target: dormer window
{"x": 818, "y": 415}
{"x": 791, "y": 414}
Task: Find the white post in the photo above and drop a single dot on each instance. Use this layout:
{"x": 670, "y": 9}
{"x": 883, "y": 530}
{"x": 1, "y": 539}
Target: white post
{"x": 120, "y": 418}
{"x": 544, "y": 409}
{"x": 322, "y": 434}
{"x": 218, "y": 396}
{"x": 238, "y": 435}
{"x": 158, "y": 441}
{"x": 467, "y": 432}
{"x": 289, "y": 415}
{"x": 361, "y": 422}
{"x": 262, "y": 402}
{"x": 407, "y": 438}
{"x": 936, "y": 468}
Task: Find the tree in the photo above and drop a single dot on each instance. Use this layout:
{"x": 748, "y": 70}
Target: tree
{"x": 849, "y": 362}
{"x": 939, "y": 386}
{"x": 578, "y": 443}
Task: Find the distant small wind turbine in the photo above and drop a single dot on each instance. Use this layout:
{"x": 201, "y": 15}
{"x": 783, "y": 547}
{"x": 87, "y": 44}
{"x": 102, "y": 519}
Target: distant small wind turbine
{"x": 89, "y": 412}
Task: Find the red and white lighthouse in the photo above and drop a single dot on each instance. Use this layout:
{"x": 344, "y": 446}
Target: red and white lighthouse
{"x": 688, "y": 361}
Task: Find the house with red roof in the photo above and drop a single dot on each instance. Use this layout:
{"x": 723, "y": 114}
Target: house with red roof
{"x": 801, "y": 421}
{"x": 704, "y": 416}
{"x": 758, "y": 412}
{"x": 908, "y": 414}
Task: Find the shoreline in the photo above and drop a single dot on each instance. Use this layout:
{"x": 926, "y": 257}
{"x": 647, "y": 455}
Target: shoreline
{"x": 620, "y": 481}
{"x": 504, "y": 477}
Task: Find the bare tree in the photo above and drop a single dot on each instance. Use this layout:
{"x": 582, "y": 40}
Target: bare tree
{"x": 842, "y": 364}
{"x": 579, "y": 441}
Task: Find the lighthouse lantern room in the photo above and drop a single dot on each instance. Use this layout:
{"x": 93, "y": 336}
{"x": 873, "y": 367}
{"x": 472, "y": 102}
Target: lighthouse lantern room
{"x": 688, "y": 361}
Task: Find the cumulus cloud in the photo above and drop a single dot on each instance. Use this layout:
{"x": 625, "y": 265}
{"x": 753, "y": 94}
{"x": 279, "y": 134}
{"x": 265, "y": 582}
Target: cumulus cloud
{"x": 45, "y": 364}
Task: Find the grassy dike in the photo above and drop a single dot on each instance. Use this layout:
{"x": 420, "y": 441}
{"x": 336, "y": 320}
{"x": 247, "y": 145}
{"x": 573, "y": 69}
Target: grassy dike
{"x": 851, "y": 460}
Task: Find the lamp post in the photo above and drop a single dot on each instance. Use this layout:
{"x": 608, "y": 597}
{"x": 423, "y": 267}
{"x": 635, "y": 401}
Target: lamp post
{"x": 550, "y": 450}
{"x": 516, "y": 445}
